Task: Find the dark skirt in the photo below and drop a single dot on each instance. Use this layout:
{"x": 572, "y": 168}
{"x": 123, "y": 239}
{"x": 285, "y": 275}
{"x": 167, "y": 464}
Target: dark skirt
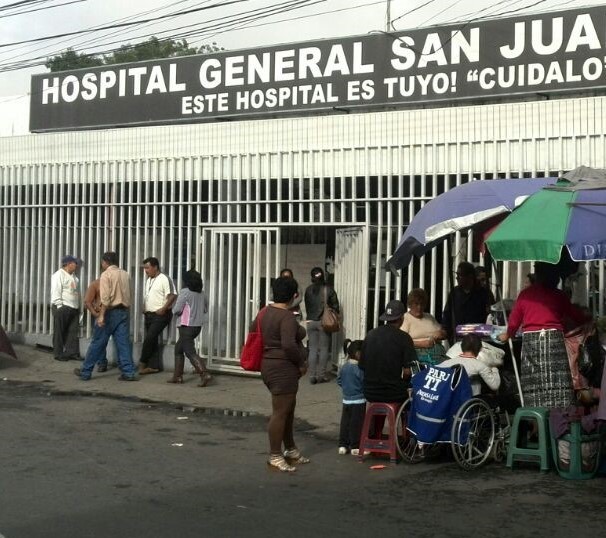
{"x": 280, "y": 376}
{"x": 546, "y": 379}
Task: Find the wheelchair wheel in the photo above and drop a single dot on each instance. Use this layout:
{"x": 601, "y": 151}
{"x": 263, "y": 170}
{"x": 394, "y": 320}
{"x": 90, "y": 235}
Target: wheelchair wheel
{"x": 407, "y": 442}
{"x": 473, "y": 434}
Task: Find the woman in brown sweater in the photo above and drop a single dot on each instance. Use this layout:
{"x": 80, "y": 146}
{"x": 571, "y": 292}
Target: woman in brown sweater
{"x": 284, "y": 362}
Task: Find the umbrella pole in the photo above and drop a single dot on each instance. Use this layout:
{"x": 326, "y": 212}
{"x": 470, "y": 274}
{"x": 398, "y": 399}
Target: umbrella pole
{"x": 452, "y": 338}
{"x": 509, "y": 341}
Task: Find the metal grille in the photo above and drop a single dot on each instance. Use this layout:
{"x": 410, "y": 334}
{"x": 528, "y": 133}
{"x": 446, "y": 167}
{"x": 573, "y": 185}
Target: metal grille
{"x": 147, "y": 191}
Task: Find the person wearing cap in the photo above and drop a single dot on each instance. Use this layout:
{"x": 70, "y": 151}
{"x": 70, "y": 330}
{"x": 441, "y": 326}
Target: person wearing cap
{"x": 386, "y": 356}
{"x": 65, "y": 306}
{"x": 317, "y": 295}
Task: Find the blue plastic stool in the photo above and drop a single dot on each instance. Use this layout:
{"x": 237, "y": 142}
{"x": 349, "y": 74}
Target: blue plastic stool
{"x": 537, "y": 453}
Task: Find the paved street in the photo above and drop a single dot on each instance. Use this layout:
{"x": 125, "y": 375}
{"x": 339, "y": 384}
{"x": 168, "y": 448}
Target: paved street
{"x": 78, "y": 466}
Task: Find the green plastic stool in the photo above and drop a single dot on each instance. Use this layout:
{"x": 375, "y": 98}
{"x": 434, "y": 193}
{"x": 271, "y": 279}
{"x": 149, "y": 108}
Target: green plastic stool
{"x": 575, "y": 468}
{"x": 540, "y": 452}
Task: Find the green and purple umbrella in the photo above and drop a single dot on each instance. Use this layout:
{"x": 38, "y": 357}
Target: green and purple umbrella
{"x": 570, "y": 214}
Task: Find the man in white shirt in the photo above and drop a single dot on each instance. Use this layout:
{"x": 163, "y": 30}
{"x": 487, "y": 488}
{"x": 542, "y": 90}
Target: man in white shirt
{"x": 65, "y": 305}
{"x": 158, "y": 298}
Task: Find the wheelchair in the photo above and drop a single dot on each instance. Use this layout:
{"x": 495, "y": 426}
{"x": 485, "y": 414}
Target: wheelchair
{"x": 480, "y": 430}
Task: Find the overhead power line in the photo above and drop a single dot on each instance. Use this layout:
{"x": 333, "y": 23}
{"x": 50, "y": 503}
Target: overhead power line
{"x": 210, "y": 26}
{"x": 43, "y": 8}
{"x": 411, "y": 11}
{"x": 88, "y": 39}
{"x": 123, "y": 24}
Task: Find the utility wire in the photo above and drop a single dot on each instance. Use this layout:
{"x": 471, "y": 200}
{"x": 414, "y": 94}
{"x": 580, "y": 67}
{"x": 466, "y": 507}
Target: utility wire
{"x": 99, "y": 41}
{"x": 474, "y": 14}
{"x": 87, "y": 40}
{"x": 262, "y": 10}
{"x": 124, "y": 24}
{"x": 440, "y": 12}
{"x": 259, "y": 13}
{"x": 32, "y": 10}
{"x": 16, "y": 5}
{"x": 411, "y": 11}
{"x": 511, "y": 11}
{"x": 247, "y": 26}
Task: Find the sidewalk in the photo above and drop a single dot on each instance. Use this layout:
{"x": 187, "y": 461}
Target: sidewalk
{"x": 317, "y": 405}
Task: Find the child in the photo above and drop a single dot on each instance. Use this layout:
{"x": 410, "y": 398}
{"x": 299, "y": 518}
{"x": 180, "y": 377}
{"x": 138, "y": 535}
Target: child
{"x": 350, "y": 379}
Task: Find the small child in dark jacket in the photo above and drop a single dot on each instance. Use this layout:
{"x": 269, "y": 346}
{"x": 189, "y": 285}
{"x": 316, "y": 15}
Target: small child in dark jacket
{"x": 351, "y": 380}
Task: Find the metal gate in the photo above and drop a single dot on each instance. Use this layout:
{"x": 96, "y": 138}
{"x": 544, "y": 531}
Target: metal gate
{"x": 351, "y": 267}
{"x": 237, "y": 266}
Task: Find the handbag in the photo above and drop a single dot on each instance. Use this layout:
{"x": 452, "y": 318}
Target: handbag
{"x": 251, "y": 356}
{"x": 330, "y": 320}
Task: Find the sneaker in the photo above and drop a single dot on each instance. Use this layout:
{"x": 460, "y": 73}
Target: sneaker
{"x": 342, "y": 450}
{"x": 355, "y": 452}
{"x": 125, "y": 378}
{"x": 102, "y": 368}
{"x": 62, "y": 359}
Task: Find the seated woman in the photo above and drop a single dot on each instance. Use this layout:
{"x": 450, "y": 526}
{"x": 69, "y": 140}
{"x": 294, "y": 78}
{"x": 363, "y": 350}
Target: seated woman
{"x": 426, "y": 333}
{"x": 476, "y": 369}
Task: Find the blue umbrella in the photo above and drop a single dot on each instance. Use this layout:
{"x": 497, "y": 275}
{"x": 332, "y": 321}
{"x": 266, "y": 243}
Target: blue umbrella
{"x": 458, "y": 209}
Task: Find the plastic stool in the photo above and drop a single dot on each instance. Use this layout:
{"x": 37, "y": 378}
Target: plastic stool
{"x": 540, "y": 452}
{"x": 576, "y": 439}
{"x": 386, "y": 411}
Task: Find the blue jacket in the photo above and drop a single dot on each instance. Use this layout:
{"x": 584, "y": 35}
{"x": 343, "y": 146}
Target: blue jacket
{"x": 351, "y": 380}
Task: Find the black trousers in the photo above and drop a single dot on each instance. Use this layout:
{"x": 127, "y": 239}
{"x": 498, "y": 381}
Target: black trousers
{"x": 186, "y": 345}
{"x": 65, "y": 332}
{"x": 150, "y": 349}
{"x": 352, "y": 419}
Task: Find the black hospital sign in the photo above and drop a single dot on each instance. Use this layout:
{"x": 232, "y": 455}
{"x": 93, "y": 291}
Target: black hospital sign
{"x": 552, "y": 52}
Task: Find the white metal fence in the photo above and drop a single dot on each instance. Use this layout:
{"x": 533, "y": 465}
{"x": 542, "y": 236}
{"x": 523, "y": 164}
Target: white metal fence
{"x": 147, "y": 191}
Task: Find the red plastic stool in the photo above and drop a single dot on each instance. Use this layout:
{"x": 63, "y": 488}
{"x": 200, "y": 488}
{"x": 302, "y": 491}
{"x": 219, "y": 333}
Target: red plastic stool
{"x": 380, "y": 411}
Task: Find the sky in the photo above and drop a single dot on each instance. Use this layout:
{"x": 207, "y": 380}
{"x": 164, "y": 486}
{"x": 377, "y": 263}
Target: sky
{"x": 320, "y": 19}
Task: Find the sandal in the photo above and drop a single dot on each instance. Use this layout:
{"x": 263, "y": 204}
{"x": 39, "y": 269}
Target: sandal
{"x": 278, "y": 463}
{"x": 293, "y": 457}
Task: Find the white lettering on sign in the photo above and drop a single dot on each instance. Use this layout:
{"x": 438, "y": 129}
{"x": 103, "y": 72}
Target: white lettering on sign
{"x": 583, "y": 34}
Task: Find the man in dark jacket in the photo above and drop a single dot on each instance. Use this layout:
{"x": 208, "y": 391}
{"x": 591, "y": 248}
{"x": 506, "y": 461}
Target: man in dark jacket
{"x": 467, "y": 303}
{"x": 387, "y": 353}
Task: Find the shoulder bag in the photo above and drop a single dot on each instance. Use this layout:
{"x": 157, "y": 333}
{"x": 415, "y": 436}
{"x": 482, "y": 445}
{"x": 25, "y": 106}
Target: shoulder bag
{"x": 251, "y": 356}
{"x": 331, "y": 321}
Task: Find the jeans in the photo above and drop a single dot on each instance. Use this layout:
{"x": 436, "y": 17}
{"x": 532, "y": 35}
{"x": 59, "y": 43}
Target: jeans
{"x": 102, "y": 360}
{"x": 150, "y": 349}
{"x": 318, "y": 342}
{"x": 117, "y": 324}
